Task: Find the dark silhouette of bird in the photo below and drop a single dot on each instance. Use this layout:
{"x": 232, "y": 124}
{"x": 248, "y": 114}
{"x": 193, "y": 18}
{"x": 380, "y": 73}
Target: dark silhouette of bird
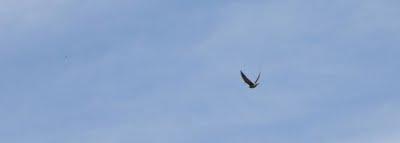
{"x": 249, "y": 82}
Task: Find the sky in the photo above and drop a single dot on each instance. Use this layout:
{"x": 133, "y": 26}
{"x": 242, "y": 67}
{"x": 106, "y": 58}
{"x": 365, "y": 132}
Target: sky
{"x": 157, "y": 71}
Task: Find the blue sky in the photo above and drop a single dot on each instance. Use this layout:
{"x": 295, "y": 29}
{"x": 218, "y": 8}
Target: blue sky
{"x": 116, "y": 71}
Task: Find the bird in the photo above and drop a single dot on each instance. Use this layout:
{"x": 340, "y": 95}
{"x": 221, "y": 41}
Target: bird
{"x": 249, "y": 82}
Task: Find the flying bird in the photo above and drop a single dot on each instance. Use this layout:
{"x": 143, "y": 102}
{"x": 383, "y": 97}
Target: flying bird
{"x": 249, "y": 82}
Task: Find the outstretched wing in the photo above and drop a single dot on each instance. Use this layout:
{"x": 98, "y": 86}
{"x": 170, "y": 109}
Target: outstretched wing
{"x": 247, "y": 80}
{"x": 258, "y": 78}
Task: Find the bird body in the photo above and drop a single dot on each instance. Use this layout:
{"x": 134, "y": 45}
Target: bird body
{"x": 249, "y": 82}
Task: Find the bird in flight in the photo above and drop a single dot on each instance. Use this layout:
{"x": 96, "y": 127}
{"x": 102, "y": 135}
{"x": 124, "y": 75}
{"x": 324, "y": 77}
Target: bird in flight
{"x": 249, "y": 82}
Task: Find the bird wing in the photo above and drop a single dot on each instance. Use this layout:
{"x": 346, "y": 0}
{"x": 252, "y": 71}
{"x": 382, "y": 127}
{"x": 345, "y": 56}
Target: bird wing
{"x": 247, "y": 80}
{"x": 258, "y": 78}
